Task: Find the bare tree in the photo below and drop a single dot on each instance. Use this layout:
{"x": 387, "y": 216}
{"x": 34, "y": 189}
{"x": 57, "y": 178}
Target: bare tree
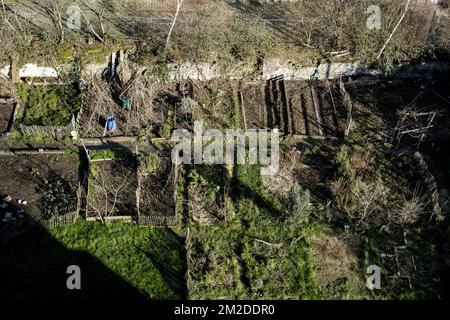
{"x": 112, "y": 185}
{"x": 395, "y": 29}
{"x": 54, "y": 10}
{"x": 177, "y": 12}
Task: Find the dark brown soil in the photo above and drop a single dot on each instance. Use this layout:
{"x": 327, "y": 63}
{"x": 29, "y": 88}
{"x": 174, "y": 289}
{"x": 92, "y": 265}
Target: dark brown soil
{"x": 215, "y": 102}
{"x": 255, "y": 106}
{"x": 6, "y": 114}
{"x": 289, "y": 105}
{"x": 157, "y": 191}
{"x": 23, "y": 176}
{"x": 112, "y": 188}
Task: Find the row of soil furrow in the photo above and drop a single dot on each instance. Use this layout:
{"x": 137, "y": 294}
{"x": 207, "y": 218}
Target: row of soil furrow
{"x": 295, "y": 107}
{"x": 312, "y": 127}
{"x": 254, "y": 106}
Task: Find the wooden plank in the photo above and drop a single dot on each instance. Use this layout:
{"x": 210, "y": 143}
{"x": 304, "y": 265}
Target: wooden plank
{"x": 316, "y": 110}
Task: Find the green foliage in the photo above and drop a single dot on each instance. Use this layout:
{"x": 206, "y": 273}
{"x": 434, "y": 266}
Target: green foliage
{"x": 59, "y": 196}
{"x": 312, "y": 150}
{"x": 150, "y": 162}
{"x": 298, "y": 205}
{"x": 161, "y": 72}
{"x": 108, "y": 154}
{"x": 22, "y": 139}
{"x": 165, "y": 130}
{"x": 93, "y": 171}
{"x": 47, "y": 106}
{"x": 343, "y": 163}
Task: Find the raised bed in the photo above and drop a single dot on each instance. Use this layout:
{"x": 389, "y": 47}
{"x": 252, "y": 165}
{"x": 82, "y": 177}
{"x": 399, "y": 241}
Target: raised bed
{"x": 157, "y": 193}
{"x": 112, "y": 184}
{"x": 298, "y": 108}
{"x": 50, "y": 111}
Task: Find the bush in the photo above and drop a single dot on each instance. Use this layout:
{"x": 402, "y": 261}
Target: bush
{"x": 58, "y": 197}
{"x": 49, "y": 106}
{"x": 299, "y": 205}
{"x": 150, "y": 163}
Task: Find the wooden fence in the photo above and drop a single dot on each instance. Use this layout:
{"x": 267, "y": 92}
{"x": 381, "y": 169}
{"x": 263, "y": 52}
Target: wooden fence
{"x": 348, "y": 104}
{"x": 56, "y": 132}
{"x": 60, "y": 221}
{"x": 156, "y": 220}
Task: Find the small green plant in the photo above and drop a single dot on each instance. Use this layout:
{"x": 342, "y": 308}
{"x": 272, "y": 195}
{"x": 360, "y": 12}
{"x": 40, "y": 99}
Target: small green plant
{"x": 93, "y": 171}
{"x": 343, "y": 163}
{"x": 312, "y": 150}
{"x": 151, "y": 162}
{"x": 58, "y": 196}
{"x": 108, "y": 154}
{"x": 164, "y": 131}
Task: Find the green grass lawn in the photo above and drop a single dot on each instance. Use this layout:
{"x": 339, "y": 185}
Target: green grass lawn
{"x": 117, "y": 261}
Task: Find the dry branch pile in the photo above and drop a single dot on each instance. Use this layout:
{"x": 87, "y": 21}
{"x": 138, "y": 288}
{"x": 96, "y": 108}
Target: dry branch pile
{"x": 102, "y": 102}
{"x": 112, "y": 188}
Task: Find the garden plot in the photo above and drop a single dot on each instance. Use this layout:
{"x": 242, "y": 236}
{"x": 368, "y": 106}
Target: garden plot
{"x": 388, "y": 108}
{"x": 37, "y": 187}
{"x": 122, "y": 105}
{"x": 157, "y": 191}
{"x": 208, "y": 193}
{"x": 305, "y": 108}
{"x": 308, "y": 166}
{"x": 48, "y": 110}
{"x": 218, "y": 104}
{"x": 112, "y": 184}
{"x": 174, "y": 107}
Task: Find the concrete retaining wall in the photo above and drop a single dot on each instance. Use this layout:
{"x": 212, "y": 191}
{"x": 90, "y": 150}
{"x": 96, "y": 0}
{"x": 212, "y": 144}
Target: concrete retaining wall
{"x": 271, "y": 68}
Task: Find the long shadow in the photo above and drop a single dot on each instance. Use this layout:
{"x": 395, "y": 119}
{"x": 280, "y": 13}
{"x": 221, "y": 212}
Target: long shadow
{"x": 172, "y": 274}
{"x": 33, "y": 267}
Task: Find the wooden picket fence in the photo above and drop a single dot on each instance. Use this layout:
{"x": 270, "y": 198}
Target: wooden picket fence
{"x": 56, "y": 132}
{"x": 156, "y": 220}
{"x": 60, "y": 221}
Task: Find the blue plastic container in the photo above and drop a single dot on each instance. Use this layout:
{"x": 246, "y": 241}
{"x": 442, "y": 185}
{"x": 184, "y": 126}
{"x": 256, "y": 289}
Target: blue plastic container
{"x": 111, "y": 124}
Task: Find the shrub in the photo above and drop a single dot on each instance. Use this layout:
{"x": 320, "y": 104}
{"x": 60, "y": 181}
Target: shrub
{"x": 58, "y": 197}
{"x": 299, "y": 205}
{"x": 47, "y": 106}
{"x": 150, "y": 163}
{"x": 344, "y": 166}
